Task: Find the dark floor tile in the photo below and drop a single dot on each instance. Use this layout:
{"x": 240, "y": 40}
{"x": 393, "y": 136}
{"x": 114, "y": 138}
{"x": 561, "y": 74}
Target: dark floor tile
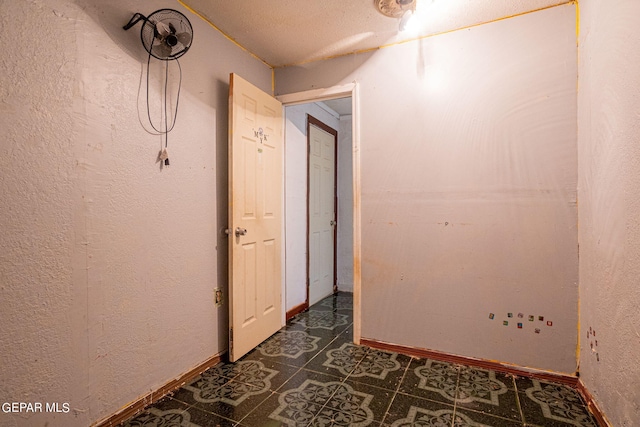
{"x": 299, "y": 401}
{"x": 507, "y": 379}
{"x": 525, "y": 383}
{"x": 253, "y": 371}
{"x": 336, "y": 303}
{"x": 323, "y": 320}
{"x": 204, "y": 386}
{"x": 306, "y": 376}
{"x": 327, "y": 335}
{"x": 431, "y": 379}
{"x": 339, "y": 358}
{"x": 342, "y": 302}
{"x": 232, "y": 409}
{"x": 290, "y": 347}
{"x": 522, "y": 383}
{"x": 284, "y": 373}
{"x": 353, "y": 404}
{"x": 346, "y": 335}
{"x": 201, "y": 418}
{"x": 234, "y": 398}
{"x": 552, "y": 405}
{"x": 464, "y": 418}
{"x": 409, "y": 410}
{"x": 167, "y": 411}
{"x": 382, "y": 369}
{"x": 322, "y": 422}
{"x": 282, "y": 410}
{"x": 224, "y": 371}
{"x": 487, "y": 391}
{"x": 379, "y": 402}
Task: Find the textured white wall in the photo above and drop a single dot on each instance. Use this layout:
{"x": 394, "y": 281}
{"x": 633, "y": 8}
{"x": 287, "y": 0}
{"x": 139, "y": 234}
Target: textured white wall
{"x": 469, "y": 177}
{"x": 107, "y": 262}
{"x": 344, "y": 262}
{"x": 296, "y": 196}
{"x": 609, "y": 208}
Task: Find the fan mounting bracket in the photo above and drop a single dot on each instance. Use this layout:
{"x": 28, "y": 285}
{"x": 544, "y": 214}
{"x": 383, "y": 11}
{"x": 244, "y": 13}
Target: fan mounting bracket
{"x": 394, "y": 8}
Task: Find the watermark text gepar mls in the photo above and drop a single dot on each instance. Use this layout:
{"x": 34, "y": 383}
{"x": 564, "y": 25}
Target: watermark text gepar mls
{"x": 26, "y": 407}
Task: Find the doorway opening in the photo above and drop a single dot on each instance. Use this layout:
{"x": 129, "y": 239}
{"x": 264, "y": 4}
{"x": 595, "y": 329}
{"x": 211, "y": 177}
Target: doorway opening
{"x": 337, "y": 111}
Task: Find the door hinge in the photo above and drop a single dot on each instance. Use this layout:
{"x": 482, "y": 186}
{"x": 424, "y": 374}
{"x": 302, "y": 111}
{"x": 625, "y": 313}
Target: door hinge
{"x": 230, "y": 340}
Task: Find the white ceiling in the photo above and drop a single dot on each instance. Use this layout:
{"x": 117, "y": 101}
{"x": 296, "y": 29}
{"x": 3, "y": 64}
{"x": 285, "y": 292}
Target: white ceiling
{"x": 289, "y": 32}
{"x": 342, "y": 106}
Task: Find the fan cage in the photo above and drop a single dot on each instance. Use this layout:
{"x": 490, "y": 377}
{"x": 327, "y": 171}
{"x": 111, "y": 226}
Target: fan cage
{"x": 394, "y": 8}
{"x": 167, "y": 16}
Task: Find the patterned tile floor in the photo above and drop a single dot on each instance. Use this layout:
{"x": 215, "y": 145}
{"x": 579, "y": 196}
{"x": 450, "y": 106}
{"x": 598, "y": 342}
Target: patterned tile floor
{"x": 311, "y": 374}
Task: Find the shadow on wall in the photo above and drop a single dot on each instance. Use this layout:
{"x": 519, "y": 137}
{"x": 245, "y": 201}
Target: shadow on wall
{"x": 221, "y": 95}
{"x": 336, "y": 71}
{"x": 112, "y": 16}
{"x": 340, "y": 70}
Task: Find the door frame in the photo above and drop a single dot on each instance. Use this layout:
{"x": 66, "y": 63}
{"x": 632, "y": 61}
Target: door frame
{"x": 312, "y": 121}
{"x": 315, "y": 95}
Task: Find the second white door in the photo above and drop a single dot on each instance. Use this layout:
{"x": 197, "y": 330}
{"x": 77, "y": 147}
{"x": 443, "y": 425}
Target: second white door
{"x": 322, "y": 209}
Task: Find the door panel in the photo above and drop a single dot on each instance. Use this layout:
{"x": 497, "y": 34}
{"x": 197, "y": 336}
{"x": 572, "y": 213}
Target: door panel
{"x": 246, "y": 300}
{"x": 255, "y": 200}
{"x": 247, "y": 184}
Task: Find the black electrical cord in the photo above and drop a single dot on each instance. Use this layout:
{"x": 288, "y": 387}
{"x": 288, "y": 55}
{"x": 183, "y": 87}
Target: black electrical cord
{"x": 166, "y": 81}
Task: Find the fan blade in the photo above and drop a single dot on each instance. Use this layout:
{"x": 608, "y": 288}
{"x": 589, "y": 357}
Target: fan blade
{"x": 184, "y": 38}
{"x": 161, "y": 50}
{"x": 163, "y": 29}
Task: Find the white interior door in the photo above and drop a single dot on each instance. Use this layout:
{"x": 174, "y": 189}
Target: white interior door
{"x": 255, "y": 204}
{"x": 322, "y": 211}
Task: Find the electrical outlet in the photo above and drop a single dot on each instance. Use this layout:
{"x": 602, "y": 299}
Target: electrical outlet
{"x": 218, "y": 296}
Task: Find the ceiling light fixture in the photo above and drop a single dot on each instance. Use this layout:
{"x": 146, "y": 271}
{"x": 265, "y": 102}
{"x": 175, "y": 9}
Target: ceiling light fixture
{"x": 408, "y": 21}
{"x": 401, "y": 9}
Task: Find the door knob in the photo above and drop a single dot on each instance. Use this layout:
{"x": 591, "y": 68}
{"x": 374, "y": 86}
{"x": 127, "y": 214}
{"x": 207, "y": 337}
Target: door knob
{"x": 240, "y": 231}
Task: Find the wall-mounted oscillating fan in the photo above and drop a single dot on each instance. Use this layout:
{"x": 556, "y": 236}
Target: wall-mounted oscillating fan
{"x": 166, "y": 33}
